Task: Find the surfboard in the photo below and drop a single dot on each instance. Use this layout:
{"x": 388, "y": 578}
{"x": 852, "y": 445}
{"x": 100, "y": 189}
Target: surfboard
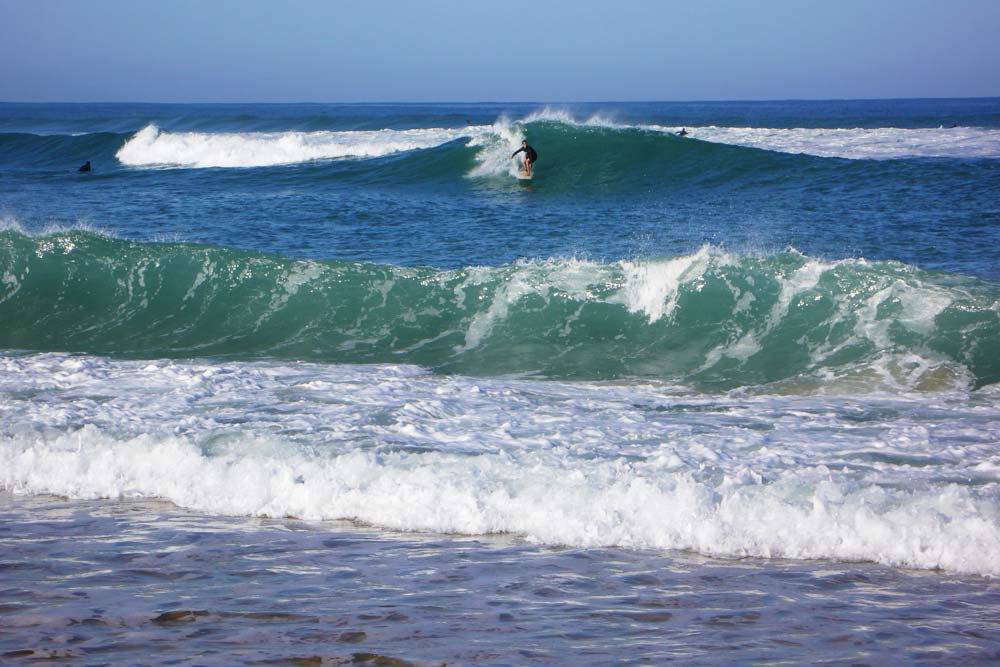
{"x": 523, "y": 175}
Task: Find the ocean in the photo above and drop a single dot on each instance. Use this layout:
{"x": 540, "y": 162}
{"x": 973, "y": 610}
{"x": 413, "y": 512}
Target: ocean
{"x": 316, "y": 384}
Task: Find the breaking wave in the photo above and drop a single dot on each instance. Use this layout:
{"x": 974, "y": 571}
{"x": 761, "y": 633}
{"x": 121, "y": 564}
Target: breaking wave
{"x": 152, "y": 147}
{"x": 575, "y": 151}
{"x": 577, "y": 464}
{"x": 712, "y": 319}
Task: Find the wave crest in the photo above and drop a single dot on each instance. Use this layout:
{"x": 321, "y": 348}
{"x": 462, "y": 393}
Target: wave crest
{"x": 713, "y": 319}
{"x": 858, "y": 143}
{"x": 800, "y": 514}
{"x": 152, "y": 147}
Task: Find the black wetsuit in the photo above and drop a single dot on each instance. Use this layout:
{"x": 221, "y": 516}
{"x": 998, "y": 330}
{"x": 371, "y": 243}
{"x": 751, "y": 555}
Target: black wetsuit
{"x": 531, "y": 153}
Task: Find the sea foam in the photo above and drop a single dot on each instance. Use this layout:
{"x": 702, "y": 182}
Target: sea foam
{"x": 881, "y": 143}
{"x": 583, "y": 464}
{"x": 152, "y": 147}
{"x": 884, "y": 143}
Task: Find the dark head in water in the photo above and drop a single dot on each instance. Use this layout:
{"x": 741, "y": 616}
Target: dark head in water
{"x": 85, "y": 167}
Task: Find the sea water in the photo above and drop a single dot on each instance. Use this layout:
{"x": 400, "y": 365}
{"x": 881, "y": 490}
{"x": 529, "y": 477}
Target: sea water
{"x": 328, "y": 384}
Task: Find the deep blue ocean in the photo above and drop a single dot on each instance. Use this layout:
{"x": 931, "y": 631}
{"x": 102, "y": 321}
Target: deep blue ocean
{"x": 321, "y": 383}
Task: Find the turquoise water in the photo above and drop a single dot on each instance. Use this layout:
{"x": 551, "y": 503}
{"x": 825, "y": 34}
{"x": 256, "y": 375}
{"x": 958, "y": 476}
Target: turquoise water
{"x": 765, "y": 355}
{"x": 619, "y": 188}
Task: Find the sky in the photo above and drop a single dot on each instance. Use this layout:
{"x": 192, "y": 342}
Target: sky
{"x": 541, "y": 51}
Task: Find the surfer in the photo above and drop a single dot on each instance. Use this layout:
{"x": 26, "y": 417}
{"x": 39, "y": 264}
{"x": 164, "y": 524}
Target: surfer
{"x": 682, "y": 133}
{"x": 85, "y": 167}
{"x": 530, "y": 156}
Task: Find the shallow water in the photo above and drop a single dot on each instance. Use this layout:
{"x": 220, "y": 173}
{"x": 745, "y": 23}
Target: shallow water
{"x": 888, "y": 477}
{"x": 142, "y": 582}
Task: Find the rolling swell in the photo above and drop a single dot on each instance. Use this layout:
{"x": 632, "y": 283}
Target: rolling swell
{"x": 712, "y": 320}
{"x": 576, "y": 157}
{"x": 19, "y": 150}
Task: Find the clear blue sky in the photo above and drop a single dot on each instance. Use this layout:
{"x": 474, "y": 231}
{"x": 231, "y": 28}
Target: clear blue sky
{"x": 439, "y": 50}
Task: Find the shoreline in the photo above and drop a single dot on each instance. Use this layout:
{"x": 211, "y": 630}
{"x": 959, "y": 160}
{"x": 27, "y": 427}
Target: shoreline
{"x": 145, "y": 582}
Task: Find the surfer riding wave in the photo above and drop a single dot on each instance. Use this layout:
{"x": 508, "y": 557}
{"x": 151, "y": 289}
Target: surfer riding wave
{"x": 530, "y": 156}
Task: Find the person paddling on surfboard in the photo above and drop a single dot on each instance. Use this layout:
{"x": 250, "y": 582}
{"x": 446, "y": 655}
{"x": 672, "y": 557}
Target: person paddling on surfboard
{"x": 530, "y": 156}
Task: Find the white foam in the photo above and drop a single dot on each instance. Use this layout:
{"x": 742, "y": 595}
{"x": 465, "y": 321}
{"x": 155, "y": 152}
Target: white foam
{"x": 856, "y": 143}
{"x": 151, "y": 147}
{"x": 651, "y": 287}
{"x": 853, "y": 143}
{"x": 495, "y": 148}
{"x": 580, "y": 464}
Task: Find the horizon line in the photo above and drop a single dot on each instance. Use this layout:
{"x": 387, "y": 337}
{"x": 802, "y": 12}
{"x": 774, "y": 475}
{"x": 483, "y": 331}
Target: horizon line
{"x": 497, "y": 102}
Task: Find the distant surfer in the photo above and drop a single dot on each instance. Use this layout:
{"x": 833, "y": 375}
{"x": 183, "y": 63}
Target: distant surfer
{"x": 682, "y": 133}
{"x": 530, "y": 156}
{"x": 85, "y": 167}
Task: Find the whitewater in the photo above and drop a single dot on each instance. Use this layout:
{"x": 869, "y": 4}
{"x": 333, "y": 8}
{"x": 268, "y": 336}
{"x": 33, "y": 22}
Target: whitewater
{"x": 581, "y": 465}
{"x": 152, "y": 147}
{"x": 333, "y": 376}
